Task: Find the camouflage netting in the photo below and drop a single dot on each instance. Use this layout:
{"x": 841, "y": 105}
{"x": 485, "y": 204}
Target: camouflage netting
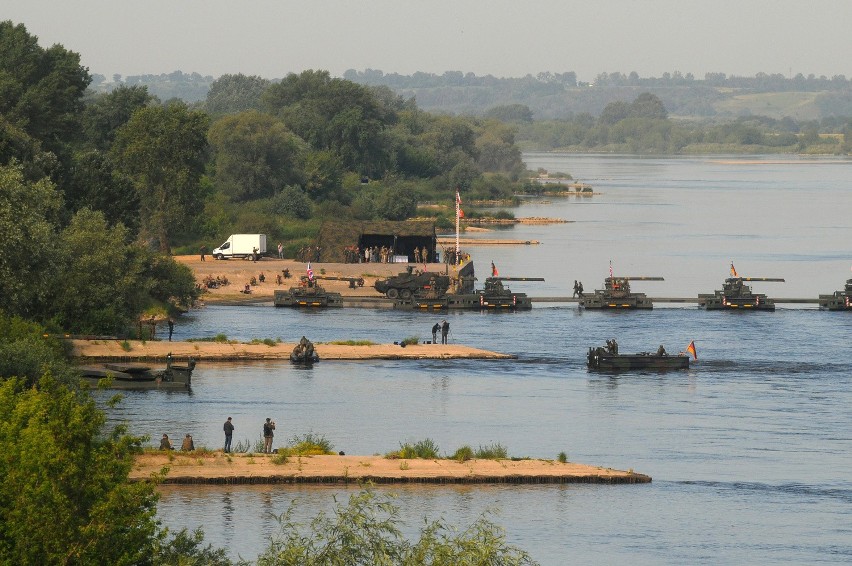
{"x": 335, "y": 237}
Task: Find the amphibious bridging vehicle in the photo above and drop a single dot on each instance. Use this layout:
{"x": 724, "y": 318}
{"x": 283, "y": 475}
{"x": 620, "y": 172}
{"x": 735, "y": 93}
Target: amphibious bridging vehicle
{"x": 839, "y": 301}
{"x": 601, "y": 358}
{"x": 139, "y": 376}
{"x": 736, "y": 295}
{"x": 616, "y": 294}
{"x": 308, "y": 294}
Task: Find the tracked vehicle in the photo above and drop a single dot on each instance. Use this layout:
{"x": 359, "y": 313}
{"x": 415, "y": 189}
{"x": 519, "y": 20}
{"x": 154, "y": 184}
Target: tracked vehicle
{"x": 735, "y": 295}
{"x": 839, "y": 300}
{"x": 308, "y": 294}
{"x": 617, "y": 295}
{"x": 410, "y": 282}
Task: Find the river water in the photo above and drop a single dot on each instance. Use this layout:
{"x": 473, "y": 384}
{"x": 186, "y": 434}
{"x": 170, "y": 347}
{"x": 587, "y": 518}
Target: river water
{"x": 749, "y": 450}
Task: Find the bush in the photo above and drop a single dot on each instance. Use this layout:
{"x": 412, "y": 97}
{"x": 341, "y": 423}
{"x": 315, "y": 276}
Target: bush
{"x": 463, "y": 454}
{"x": 495, "y": 451}
{"x": 422, "y": 449}
{"x": 309, "y": 444}
{"x": 411, "y": 340}
{"x": 563, "y": 457}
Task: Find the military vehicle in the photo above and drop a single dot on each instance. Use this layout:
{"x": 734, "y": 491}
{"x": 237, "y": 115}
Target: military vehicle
{"x": 607, "y": 359}
{"x": 493, "y": 297}
{"x": 616, "y": 294}
{"x": 839, "y": 301}
{"x": 736, "y": 295}
{"x": 308, "y": 294}
{"x": 410, "y": 282}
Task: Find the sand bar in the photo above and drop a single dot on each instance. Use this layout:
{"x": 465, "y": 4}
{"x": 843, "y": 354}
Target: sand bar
{"x": 130, "y": 350}
{"x": 220, "y": 468}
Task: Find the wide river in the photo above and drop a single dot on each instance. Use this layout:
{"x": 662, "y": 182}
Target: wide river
{"x": 750, "y": 450}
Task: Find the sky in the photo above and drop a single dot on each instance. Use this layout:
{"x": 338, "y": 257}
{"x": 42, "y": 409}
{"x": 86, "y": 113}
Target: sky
{"x": 503, "y": 38}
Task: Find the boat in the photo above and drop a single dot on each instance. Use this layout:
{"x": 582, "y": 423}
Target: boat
{"x": 304, "y": 352}
{"x": 602, "y": 358}
{"x": 617, "y": 295}
{"x": 140, "y": 376}
{"x": 839, "y": 300}
{"x": 737, "y": 296}
{"x": 308, "y": 294}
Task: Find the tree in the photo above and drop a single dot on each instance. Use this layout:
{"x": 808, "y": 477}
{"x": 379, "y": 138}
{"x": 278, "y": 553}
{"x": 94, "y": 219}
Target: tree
{"x": 293, "y": 202}
{"x": 614, "y": 112}
{"x": 162, "y": 151}
{"x": 94, "y": 184}
{"x": 511, "y": 113}
{"x": 648, "y": 105}
{"x": 40, "y": 89}
{"x": 324, "y": 177}
{"x": 396, "y": 203}
{"x": 108, "y": 112}
{"x": 256, "y": 155}
{"x": 28, "y": 216}
{"x": 64, "y": 494}
{"x": 235, "y": 93}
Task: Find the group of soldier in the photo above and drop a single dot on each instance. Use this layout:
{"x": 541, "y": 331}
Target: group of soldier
{"x": 309, "y": 253}
{"x": 578, "y": 289}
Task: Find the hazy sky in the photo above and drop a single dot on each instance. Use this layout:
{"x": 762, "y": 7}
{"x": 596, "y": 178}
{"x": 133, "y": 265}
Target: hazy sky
{"x": 498, "y": 37}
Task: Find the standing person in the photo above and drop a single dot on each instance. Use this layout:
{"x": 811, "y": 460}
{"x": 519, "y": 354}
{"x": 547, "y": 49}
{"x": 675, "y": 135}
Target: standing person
{"x": 580, "y": 289}
{"x": 576, "y": 289}
{"x": 229, "y": 434}
{"x": 435, "y": 330}
{"x": 171, "y": 328}
{"x": 203, "y": 251}
{"x": 268, "y": 433}
{"x": 445, "y": 329}
{"x": 280, "y": 250}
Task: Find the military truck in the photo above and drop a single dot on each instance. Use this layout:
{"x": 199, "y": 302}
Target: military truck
{"x": 839, "y": 300}
{"x": 616, "y": 294}
{"x": 736, "y": 295}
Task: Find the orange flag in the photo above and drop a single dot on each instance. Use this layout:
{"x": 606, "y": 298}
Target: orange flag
{"x": 691, "y": 349}
{"x": 733, "y": 270}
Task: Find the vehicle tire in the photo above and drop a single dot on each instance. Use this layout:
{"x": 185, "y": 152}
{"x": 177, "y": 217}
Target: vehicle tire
{"x": 392, "y": 293}
{"x": 219, "y": 256}
{"x": 405, "y": 293}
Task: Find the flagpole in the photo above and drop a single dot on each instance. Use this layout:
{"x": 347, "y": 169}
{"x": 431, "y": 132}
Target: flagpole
{"x": 458, "y": 208}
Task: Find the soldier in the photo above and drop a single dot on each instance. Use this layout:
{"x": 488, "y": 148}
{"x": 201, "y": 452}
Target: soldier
{"x": 188, "y": 445}
{"x": 580, "y": 289}
{"x": 661, "y": 351}
{"x": 171, "y": 328}
{"x": 165, "y": 443}
{"x": 445, "y": 329}
{"x": 435, "y": 330}
{"x": 576, "y": 289}
{"x": 416, "y": 255}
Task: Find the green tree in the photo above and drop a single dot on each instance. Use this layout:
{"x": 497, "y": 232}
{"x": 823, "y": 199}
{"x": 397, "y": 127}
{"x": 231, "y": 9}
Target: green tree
{"x": 95, "y": 184}
{"x": 28, "y": 216}
{"x": 162, "y": 151}
{"x": 293, "y": 202}
{"x": 324, "y": 177}
{"x": 255, "y": 155}
{"x": 614, "y": 112}
{"x": 108, "y": 112}
{"x": 510, "y": 113}
{"x": 396, "y": 203}
{"x": 64, "y": 495}
{"x": 235, "y": 93}
{"x": 40, "y": 89}
{"x": 648, "y": 105}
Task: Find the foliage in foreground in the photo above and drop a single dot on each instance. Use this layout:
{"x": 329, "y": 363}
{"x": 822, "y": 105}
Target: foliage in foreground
{"x": 367, "y": 531}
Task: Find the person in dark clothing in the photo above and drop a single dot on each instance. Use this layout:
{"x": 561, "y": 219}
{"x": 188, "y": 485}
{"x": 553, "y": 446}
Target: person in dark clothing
{"x": 580, "y": 289}
{"x": 171, "y": 328}
{"x": 435, "y": 330}
{"x": 445, "y": 329}
{"x": 165, "y": 443}
{"x": 229, "y": 433}
{"x": 576, "y": 289}
{"x": 268, "y": 428}
{"x": 203, "y": 251}
{"x": 188, "y": 445}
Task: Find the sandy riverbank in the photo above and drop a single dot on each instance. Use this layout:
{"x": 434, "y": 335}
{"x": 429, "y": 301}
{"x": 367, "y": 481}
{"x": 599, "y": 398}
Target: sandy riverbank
{"x": 218, "y": 468}
{"x": 114, "y": 350}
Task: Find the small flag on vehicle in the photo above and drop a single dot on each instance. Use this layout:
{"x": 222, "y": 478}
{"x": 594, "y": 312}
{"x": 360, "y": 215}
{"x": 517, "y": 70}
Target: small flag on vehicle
{"x": 691, "y": 349}
{"x": 733, "y": 270}
{"x": 310, "y": 272}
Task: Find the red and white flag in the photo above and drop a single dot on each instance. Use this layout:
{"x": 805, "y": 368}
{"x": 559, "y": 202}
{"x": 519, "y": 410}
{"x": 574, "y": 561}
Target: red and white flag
{"x": 310, "y": 272}
{"x": 459, "y": 211}
{"x": 610, "y": 269}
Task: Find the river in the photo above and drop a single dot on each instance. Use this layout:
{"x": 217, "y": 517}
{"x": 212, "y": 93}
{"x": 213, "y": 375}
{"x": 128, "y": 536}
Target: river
{"x": 750, "y": 450}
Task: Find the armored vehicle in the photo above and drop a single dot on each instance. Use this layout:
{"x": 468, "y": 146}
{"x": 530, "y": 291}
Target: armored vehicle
{"x": 616, "y": 294}
{"x": 839, "y": 301}
{"x": 308, "y": 294}
{"x": 410, "y": 282}
{"x": 736, "y": 295}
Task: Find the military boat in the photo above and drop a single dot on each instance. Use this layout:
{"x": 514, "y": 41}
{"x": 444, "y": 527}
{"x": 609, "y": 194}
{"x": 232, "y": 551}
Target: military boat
{"x": 736, "y": 295}
{"x": 308, "y": 294}
{"x": 304, "y": 352}
{"x": 616, "y": 294}
{"x": 839, "y": 300}
{"x": 606, "y": 359}
{"x": 140, "y": 376}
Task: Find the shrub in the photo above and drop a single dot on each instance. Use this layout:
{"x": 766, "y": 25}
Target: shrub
{"x": 463, "y": 454}
{"x": 495, "y": 451}
{"x": 411, "y": 340}
{"x": 421, "y": 449}
{"x": 309, "y": 444}
{"x": 563, "y": 457}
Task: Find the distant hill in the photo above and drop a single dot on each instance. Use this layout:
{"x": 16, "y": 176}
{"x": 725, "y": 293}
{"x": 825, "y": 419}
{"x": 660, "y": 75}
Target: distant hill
{"x": 717, "y": 97}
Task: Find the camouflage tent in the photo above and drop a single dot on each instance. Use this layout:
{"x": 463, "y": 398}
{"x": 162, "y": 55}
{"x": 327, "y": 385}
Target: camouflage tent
{"x": 402, "y": 237}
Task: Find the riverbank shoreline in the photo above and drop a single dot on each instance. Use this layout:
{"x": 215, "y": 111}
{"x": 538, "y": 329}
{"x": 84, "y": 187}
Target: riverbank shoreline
{"x": 218, "y": 468}
{"x": 147, "y": 351}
